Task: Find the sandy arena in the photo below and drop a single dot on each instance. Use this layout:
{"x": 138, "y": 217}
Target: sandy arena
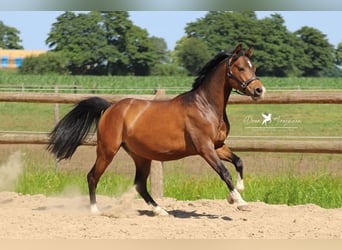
{"x": 127, "y": 217}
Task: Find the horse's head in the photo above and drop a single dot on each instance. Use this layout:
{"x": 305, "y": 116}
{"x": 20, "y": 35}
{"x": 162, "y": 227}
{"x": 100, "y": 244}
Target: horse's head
{"x": 241, "y": 74}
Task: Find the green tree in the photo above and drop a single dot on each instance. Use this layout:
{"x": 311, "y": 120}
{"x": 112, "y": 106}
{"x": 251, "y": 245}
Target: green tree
{"x": 140, "y": 52}
{"x": 278, "y": 52}
{"x": 338, "y": 55}
{"x": 9, "y": 37}
{"x": 115, "y": 25}
{"x": 192, "y": 53}
{"x": 223, "y": 30}
{"x": 103, "y": 43}
{"x": 160, "y": 47}
{"x": 317, "y": 49}
{"x": 80, "y": 39}
{"x": 129, "y": 48}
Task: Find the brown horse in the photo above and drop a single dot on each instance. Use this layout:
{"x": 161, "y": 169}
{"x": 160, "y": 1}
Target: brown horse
{"x": 193, "y": 123}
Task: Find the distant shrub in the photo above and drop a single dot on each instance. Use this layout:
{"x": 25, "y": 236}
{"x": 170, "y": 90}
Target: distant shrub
{"x": 168, "y": 70}
{"x": 48, "y": 63}
{"x": 331, "y": 72}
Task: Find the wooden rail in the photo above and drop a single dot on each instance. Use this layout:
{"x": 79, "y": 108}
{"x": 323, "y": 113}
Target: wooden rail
{"x": 293, "y": 97}
{"x": 242, "y": 145}
{"x": 287, "y": 146}
{"x": 62, "y": 98}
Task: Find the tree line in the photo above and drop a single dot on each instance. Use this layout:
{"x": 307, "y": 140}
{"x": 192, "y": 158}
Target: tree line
{"x": 108, "y": 43}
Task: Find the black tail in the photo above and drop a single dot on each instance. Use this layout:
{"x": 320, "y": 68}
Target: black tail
{"x": 72, "y": 130}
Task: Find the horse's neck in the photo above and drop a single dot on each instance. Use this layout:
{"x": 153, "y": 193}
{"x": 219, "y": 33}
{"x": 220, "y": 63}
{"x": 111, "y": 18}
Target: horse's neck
{"x": 216, "y": 92}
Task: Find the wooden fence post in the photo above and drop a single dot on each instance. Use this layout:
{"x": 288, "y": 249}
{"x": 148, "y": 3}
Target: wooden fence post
{"x": 75, "y": 88}
{"x": 56, "y": 115}
{"x": 156, "y": 176}
{"x": 156, "y": 179}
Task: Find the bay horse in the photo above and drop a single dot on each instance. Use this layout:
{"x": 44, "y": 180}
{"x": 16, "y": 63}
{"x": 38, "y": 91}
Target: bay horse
{"x": 192, "y": 123}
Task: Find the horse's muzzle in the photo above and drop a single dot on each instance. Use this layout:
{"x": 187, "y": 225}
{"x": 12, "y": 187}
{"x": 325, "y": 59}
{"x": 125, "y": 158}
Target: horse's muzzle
{"x": 257, "y": 92}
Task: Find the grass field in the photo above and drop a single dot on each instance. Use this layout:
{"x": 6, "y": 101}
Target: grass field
{"x": 270, "y": 177}
{"x": 144, "y": 85}
{"x": 245, "y": 120}
{"x": 287, "y": 186}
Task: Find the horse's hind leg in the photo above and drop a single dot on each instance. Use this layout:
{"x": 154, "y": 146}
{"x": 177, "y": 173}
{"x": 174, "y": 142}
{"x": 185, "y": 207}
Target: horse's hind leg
{"x": 94, "y": 175}
{"x": 143, "y": 167}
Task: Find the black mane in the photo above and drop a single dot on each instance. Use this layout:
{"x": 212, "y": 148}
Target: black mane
{"x": 208, "y": 68}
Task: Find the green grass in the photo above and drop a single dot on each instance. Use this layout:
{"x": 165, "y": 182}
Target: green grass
{"x": 103, "y": 84}
{"x": 36, "y": 179}
{"x": 29, "y": 116}
{"x": 311, "y": 119}
{"x": 315, "y": 119}
{"x": 319, "y": 187}
{"x": 137, "y": 84}
{"x": 286, "y": 184}
{"x": 322, "y": 189}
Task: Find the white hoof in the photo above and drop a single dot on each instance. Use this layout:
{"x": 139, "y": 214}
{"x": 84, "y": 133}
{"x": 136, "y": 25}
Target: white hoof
{"x": 234, "y": 196}
{"x": 159, "y": 211}
{"x": 244, "y": 207}
{"x": 94, "y": 209}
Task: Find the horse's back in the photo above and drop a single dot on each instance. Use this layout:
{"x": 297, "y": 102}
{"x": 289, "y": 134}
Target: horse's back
{"x": 151, "y": 129}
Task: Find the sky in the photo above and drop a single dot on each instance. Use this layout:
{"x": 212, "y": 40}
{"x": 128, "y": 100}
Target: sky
{"x": 34, "y": 26}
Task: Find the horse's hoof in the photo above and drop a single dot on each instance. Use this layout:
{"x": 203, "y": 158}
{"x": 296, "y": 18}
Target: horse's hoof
{"x": 159, "y": 211}
{"x": 230, "y": 199}
{"x": 94, "y": 209}
{"x": 243, "y": 207}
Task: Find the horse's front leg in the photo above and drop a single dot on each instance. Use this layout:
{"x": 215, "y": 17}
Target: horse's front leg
{"x": 214, "y": 161}
{"x": 226, "y": 154}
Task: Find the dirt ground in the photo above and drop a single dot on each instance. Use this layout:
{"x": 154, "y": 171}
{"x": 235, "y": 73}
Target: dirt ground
{"x": 127, "y": 217}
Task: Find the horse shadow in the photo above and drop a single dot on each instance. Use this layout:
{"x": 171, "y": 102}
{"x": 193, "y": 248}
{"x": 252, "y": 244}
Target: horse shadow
{"x": 181, "y": 214}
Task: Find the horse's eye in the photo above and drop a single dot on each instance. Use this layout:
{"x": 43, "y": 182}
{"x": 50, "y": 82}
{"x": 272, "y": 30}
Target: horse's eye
{"x": 241, "y": 69}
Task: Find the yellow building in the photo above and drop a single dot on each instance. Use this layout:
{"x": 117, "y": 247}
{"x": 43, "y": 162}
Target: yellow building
{"x": 13, "y": 58}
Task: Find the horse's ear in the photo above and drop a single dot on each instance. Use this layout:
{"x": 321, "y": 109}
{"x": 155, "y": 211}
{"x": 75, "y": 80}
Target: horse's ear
{"x": 249, "y": 52}
{"x": 237, "y": 49}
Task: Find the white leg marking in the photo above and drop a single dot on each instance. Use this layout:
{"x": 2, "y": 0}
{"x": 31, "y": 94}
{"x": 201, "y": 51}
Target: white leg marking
{"x": 159, "y": 211}
{"x": 239, "y": 184}
{"x": 94, "y": 209}
{"x": 235, "y": 196}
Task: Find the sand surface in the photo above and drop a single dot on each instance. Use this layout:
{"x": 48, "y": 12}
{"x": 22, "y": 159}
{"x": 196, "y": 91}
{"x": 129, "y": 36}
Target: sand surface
{"x": 128, "y": 217}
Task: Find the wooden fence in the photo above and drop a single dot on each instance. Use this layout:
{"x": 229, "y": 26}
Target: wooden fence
{"x": 333, "y": 97}
{"x": 310, "y": 145}
{"x": 253, "y": 145}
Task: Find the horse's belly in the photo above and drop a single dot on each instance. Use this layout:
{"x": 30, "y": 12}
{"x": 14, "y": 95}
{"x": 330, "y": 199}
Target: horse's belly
{"x": 159, "y": 148}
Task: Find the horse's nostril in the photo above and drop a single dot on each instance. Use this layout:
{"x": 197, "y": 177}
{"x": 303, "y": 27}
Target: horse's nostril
{"x": 258, "y": 91}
